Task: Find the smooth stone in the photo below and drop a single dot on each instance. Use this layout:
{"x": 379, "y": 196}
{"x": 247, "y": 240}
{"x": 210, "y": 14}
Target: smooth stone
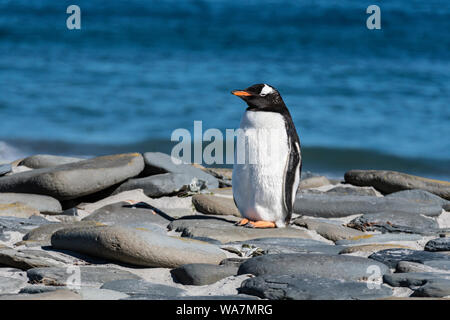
{"x": 26, "y": 259}
{"x": 352, "y": 191}
{"x": 371, "y": 248}
{"x": 379, "y": 238}
{"x": 439, "y": 244}
{"x": 307, "y": 287}
{"x": 18, "y": 210}
{"x": 157, "y": 163}
{"x": 408, "y": 266}
{"x": 419, "y": 196}
{"x": 5, "y": 168}
{"x": 37, "y": 288}
{"x": 44, "y": 204}
{"x": 413, "y": 279}
{"x": 200, "y": 274}
{"x": 226, "y": 231}
{"x": 395, "y": 222}
{"x": 313, "y": 182}
{"x": 215, "y": 204}
{"x": 391, "y": 257}
{"x": 77, "y": 179}
{"x": 90, "y": 276}
{"x": 43, "y": 234}
{"x": 284, "y": 245}
{"x": 434, "y": 288}
{"x": 138, "y": 287}
{"x": 220, "y": 173}
{"x": 392, "y": 181}
{"x": 338, "y": 267}
{"x": 60, "y": 294}
{"x": 165, "y": 184}
{"x": 328, "y": 230}
{"x": 140, "y": 215}
{"x": 333, "y": 206}
{"x": 11, "y": 285}
{"x": 136, "y": 247}
{"x": 40, "y": 161}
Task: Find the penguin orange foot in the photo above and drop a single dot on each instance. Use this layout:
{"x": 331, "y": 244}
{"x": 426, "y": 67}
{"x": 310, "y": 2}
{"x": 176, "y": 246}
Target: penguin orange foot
{"x": 256, "y": 224}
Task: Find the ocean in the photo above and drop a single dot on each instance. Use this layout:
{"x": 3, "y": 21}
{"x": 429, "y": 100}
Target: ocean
{"x": 138, "y": 70}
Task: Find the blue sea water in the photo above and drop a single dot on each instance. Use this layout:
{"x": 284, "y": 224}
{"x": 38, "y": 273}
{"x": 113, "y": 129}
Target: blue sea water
{"x": 137, "y": 70}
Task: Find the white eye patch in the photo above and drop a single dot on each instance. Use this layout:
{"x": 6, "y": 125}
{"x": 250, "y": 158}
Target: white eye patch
{"x": 266, "y": 90}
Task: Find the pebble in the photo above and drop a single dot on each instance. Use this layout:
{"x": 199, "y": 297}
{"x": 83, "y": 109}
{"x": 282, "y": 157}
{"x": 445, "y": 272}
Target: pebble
{"x": 39, "y": 161}
{"x": 395, "y": 222}
{"x": 225, "y": 230}
{"x": 439, "y": 244}
{"x": 339, "y": 267}
{"x": 157, "y": 163}
{"x": 329, "y": 231}
{"x": 434, "y": 288}
{"x": 136, "y": 247}
{"x": 199, "y": 274}
{"x": 392, "y": 181}
{"x": 333, "y": 206}
{"x": 215, "y": 204}
{"x": 77, "y": 179}
{"x": 282, "y": 245}
{"x": 82, "y": 276}
{"x": 379, "y": 238}
{"x": 391, "y": 257}
{"x": 413, "y": 279}
{"x": 307, "y": 287}
{"x": 140, "y": 215}
{"x": 43, "y": 204}
{"x": 408, "y": 266}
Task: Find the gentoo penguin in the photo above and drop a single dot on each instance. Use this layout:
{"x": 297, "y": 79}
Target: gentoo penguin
{"x": 265, "y": 184}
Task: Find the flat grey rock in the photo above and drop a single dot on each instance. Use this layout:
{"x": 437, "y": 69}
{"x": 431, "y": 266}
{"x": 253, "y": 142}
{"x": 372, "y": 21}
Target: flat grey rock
{"x": 42, "y": 235}
{"x": 439, "y": 244}
{"x": 40, "y": 161}
{"x": 438, "y": 264}
{"x": 26, "y": 259}
{"x": 89, "y": 276}
{"x": 434, "y": 288}
{"x": 392, "y": 181}
{"x": 286, "y": 245}
{"x": 306, "y": 287}
{"x": 11, "y": 285}
{"x": 391, "y": 257}
{"x": 215, "y": 204}
{"x": 139, "y": 216}
{"x": 136, "y": 247}
{"x": 350, "y": 191}
{"x": 395, "y": 222}
{"x": 157, "y": 163}
{"x": 379, "y": 238}
{"x": 165, "y": 184}
{"x": 413, "y": 279}
{"x": 142, "y": 287}
{"x": 408, "y": 266}
{"x": 419, "y": 196}
{"x": 318, "y": 265}
{"x": 332, "y": 206}
{"x": 44, "y": 204}
{"x": 77, "y": 179}
{"x": 22, "y": 225}
{"x": 200, "y": 274}
{"x": 327, "y": 230}
{"x": 226, "y": 231}
{"x": 37, "y": 288}
{"x": 60, "y": 294}
{"x": 5, "y": 168}
{"x": 88, "y": 293}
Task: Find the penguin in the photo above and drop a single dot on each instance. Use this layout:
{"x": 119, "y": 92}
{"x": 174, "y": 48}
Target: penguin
{"x": 264, "y": 189}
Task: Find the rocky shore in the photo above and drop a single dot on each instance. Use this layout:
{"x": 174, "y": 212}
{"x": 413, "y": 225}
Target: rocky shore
{"x": 137, "y": 226}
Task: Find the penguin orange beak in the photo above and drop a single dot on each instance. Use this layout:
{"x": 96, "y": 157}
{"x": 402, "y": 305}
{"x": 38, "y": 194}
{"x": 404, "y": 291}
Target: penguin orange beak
{"x": 241, "y": 93}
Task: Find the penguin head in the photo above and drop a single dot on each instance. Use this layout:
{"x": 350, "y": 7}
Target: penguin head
{"x": 261, "y": 97}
